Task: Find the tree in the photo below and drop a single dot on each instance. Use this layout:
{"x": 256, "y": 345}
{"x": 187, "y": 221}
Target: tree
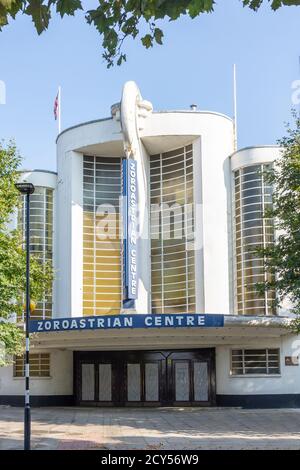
{"x": 117, "y": 20}
{"x": 282, "y": 258}
{"x": 13, "y": 260}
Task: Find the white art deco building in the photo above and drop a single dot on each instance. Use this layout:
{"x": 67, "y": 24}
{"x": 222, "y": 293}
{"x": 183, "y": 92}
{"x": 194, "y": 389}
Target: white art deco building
{"x": 152, "y": 223}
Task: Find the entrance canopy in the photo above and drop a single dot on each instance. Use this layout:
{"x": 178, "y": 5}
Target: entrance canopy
{"x": 155, "y": 332}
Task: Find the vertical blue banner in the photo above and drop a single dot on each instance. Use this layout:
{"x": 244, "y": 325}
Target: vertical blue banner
{"x": 124, "y": 220}
{"x": 130, "y": 191}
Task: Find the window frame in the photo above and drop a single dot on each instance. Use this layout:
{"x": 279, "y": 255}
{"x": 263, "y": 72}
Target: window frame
{"x": 164, "y": 180}
{"x": 32, "y": 377}
{"x": 41, "y": 239}
{"x": 99, "y": 271}
{"x": 255, "y": 375}
{"x": 244, "y": 243}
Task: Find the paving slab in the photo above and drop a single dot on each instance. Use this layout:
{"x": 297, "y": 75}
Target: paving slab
{"x": 152, "y": 429}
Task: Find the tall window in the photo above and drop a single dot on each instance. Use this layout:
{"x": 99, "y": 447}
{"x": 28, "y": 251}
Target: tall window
{"x": 102, "y": 286}
{"x": 253, "y": 195}
{"x": 172, "y": 229}
{"x": 41, "y": 236}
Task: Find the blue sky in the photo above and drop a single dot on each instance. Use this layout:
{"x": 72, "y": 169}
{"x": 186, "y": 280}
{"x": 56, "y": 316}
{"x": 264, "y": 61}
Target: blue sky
{"x": 193, "y": 66}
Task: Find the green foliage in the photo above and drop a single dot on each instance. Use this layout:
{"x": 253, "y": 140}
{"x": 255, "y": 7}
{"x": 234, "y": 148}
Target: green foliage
{"x": 117, "y": 20}
{"x": 9, "y": 163}
{"x": 12, "y": 338}
{"x": 275, "y": 4}
{"x": 13, "y": 258}
{"x": 282, "y": 259}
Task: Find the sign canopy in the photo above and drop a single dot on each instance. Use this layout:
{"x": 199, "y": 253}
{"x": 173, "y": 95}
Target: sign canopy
{"x": 128, "y": 321}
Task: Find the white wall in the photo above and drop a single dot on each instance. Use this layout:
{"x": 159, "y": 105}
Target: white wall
{"x": 42, "y": 178}
{"x": 198, "y": 215}
{"x": 217, "y": 144}
{"x": 287, "y": 382}
{"x": 60, "y": 382}
{"x": 104, "y": 133}
{"x": 254, "y": 155}
{"x": 76, "y": 233}
{"x": 62, "y": 254}
{"x": 68, "y": 255}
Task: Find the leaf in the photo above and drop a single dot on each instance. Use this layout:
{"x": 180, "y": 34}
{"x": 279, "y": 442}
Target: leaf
{"x": 158, "y": 35}
{"x": 253, "y": 4}
{"x": 121, "y": 59}
{"x": 125, "y": 17}
{"x": 281, "y": 258}
{"x": 39, "y": 13}
{"x": 68, "y": 7}
{"x": 3, "y": 17}
{"x": 13, "y": 257}
{"x": 147, "y": 41}
{"x": 6, "y": 3}
{"x": 200, "y": 6}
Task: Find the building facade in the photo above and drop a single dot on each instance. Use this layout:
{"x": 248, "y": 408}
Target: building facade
{"x": 152, "y": 223}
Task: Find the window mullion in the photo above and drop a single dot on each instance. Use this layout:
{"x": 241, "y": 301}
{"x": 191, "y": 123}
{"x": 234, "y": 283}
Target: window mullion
{"x": 185, "y": 236}
{"x": 264, "y": 234}
{"x": 162, "y": 235}
{"x": 242, "y": 244}
{"x": 44, "y": 249}
{"x": 94, "y": 237}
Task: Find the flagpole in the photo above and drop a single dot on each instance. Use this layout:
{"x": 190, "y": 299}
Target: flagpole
{"x": 299, "y": 76}
{"x": 59, "y": 107}
{"x": 235, "y": 109}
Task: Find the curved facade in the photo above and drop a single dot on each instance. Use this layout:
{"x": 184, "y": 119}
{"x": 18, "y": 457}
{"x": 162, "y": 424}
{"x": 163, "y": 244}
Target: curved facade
{"x": 179, "y": 158}
{"x": 156, "y": 224}
{"x": 252, "y": 229}
{"x": 41, "y": 226}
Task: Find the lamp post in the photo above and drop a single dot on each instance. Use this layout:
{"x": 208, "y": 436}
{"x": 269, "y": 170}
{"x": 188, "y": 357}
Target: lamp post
{"x": 27, "y": 189}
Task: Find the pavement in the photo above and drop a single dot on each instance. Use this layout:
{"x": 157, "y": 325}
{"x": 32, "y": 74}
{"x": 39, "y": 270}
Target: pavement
{"x": 152, "y": 429}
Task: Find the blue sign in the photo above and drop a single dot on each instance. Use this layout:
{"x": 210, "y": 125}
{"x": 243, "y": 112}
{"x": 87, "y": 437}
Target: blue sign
{"x": 107, "y": 322}
{"x": 130, "y": 228}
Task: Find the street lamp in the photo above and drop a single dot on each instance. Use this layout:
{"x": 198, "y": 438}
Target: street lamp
{"x": 27, "y": 189}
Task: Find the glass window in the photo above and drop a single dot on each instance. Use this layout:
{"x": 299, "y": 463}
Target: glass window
{"x": 88, "y": 382}
{"x": 105, "y": 382}
{"x": 252, "y": 231}
{"x": 151, "y": 381}
{"x": 182, "y": 381}
{"x": 39, "y": 365}
{"x": 133, "y": 382}
{"x": 200, "y": 381}
{"x": 41, "y": 236}
{"x": 102, "y": 271}
{"x": 172, "y": 231}
{"x": 255, "y": 361}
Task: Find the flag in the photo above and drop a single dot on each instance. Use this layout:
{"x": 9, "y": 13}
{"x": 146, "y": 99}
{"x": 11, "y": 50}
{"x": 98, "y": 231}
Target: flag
{"x": 56, "y": 106}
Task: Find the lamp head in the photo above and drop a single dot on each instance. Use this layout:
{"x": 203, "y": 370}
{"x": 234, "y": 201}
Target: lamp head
{"x": 25, "y": 188}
